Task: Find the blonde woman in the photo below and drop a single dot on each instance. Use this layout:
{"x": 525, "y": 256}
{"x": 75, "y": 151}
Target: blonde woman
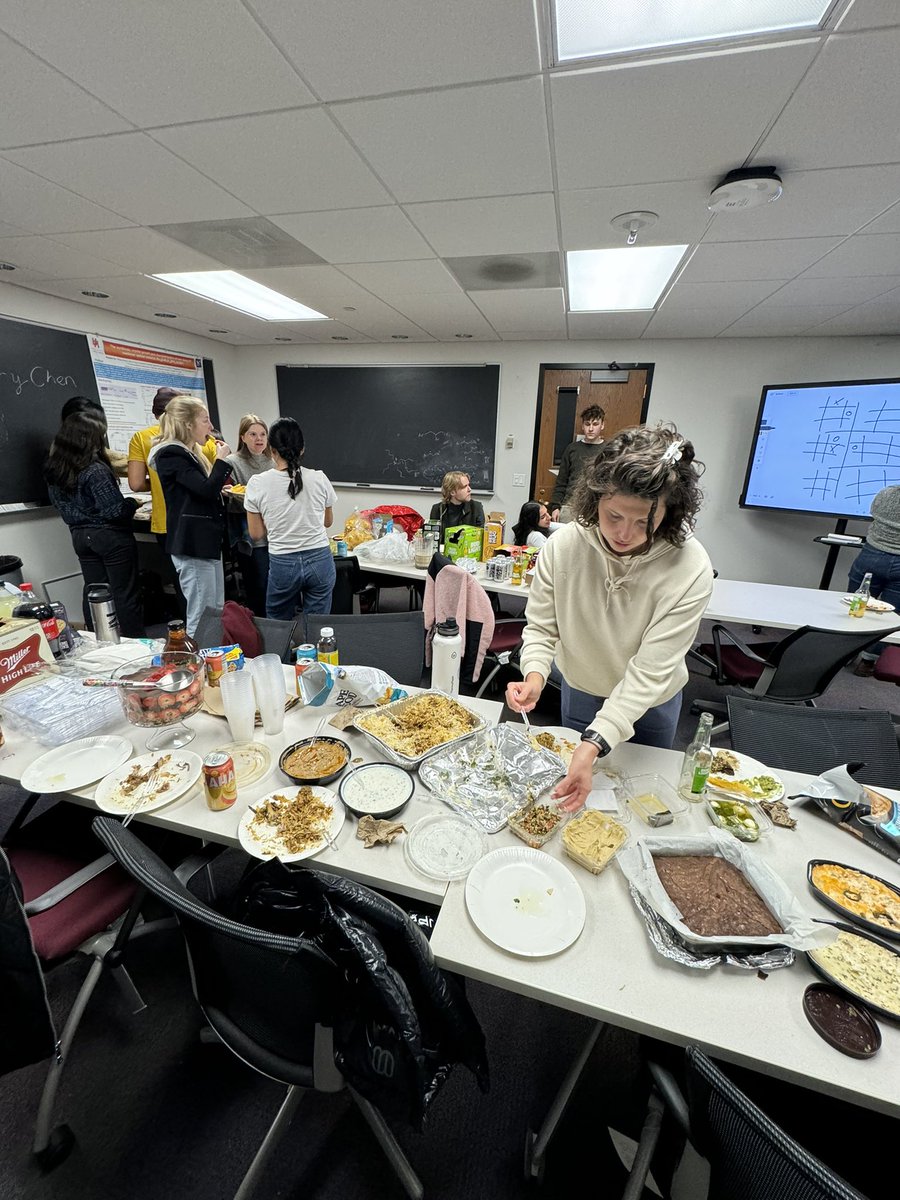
{"x": 456, "y": 506}
{"x": 192, "y": 488}
{"x": 252, "y": 457}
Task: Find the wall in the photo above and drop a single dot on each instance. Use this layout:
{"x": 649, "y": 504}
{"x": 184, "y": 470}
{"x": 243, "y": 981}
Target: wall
{"x": 710, "y": 389}
{"x": 38, "y": 536}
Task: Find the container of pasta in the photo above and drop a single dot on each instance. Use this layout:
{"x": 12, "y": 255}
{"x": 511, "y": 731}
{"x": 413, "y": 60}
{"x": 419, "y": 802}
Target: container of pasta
{"x": 593, "y": 839}
{"x": 407, "y": 731}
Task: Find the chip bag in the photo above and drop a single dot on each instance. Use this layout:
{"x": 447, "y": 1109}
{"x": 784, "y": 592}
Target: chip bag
{"x": 357, "y": 529}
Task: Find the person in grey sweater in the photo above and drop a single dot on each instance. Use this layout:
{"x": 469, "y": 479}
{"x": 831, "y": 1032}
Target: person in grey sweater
{"x": 881, "y": 557}
{"x": 574, "y": 458}
{"x": 252, "y": 457}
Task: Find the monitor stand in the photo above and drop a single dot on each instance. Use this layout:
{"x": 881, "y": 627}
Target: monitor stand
{"x": 833, "y": 548}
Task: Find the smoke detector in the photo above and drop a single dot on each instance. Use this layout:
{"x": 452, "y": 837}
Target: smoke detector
{"x": 747, "y": 187}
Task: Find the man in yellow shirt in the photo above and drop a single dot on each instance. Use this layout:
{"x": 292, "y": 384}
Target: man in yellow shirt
{"x": 140, "y": 474}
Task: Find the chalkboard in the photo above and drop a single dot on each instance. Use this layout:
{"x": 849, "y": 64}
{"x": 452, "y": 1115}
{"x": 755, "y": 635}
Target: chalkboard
{"x": 40, "y": 369}
{"x": 395, "y": 426}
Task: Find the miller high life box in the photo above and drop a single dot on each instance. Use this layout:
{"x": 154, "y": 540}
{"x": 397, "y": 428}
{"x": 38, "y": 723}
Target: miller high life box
{"x": 23, "y": 653}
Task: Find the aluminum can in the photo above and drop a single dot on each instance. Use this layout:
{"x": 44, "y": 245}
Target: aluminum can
{"x": 340, "y": 547}
{"x": 215, "y": 668}
{"x": 306, "y": 656}
{"x": 219, "y": 780}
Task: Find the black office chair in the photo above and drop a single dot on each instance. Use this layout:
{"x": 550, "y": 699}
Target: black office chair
{"x": 277, "y": 636}
{"x": 269, "y": 998}
{"x": 796, "y": 670}
{"x": 749, "y": 1156}
{"x": 395, "y": 642}
{"x": 813, "y": 740}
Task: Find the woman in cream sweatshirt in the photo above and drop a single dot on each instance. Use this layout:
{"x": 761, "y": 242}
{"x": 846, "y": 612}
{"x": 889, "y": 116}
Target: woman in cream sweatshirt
{"x": 617, "y": 598}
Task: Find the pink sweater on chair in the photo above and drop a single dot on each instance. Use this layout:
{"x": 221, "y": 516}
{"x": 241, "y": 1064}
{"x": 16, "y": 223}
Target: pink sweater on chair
{"x": 452, "y": 592}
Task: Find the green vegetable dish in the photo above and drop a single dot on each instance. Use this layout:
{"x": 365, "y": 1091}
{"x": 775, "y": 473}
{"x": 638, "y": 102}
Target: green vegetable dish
{"x": 734, "y": 817}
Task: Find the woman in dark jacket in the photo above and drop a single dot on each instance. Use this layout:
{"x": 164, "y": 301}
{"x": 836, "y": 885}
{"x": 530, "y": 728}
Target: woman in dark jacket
{"x": 83, "y": 487}
{"x": 192, "y": 488}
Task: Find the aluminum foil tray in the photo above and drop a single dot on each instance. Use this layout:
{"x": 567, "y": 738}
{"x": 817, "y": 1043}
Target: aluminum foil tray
{"x": 491, "y": 776}
{"x": 411, "y": 762}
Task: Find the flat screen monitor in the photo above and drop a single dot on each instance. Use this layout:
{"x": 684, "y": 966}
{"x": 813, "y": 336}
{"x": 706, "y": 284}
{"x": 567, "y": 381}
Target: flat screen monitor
{"x": 824, "y": 448}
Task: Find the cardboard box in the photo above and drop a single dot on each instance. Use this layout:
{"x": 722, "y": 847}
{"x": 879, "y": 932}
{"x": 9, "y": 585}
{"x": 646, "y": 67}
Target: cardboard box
{"x": 24, "y": 653}
{"x": 463, "y": 541}
{"x": 493, "y": 537}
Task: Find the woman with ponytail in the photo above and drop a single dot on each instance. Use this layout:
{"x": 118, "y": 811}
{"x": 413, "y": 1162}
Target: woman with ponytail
{"x": 293, "y": 506}
{"x": 617, "y": 598}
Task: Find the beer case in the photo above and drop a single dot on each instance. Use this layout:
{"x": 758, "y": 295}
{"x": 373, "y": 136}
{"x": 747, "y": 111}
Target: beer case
{"x": 463, "y": 541}
{"x": 24, "y": 653}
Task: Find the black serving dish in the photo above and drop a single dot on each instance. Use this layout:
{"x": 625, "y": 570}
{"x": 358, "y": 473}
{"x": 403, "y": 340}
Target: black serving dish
{"x": 870, "y": 926}
{"x": 371, "y": 808}
{"x": 843, "y": 1023}
{"x": 822, "y": 969}
{"x": 311, "y": 741}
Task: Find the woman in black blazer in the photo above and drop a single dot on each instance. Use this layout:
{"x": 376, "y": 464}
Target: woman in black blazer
{"x": 192, "y": 488}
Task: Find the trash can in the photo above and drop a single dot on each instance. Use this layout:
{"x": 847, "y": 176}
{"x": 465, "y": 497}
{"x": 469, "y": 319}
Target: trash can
{"x": 10, "y": 569}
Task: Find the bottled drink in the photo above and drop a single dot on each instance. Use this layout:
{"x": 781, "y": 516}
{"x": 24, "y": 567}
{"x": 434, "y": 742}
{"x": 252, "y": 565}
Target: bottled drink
{"x": 103, "y": 613}
{"x": 860, "y": 598}
{"x": 178, "y": 639}
{"x": 518, "y": 567}
{"x": 697, "y": 762}
{"x": 326, "y": 647}
{"x": 446, "y": 650}
{"x": 33, "y": 609}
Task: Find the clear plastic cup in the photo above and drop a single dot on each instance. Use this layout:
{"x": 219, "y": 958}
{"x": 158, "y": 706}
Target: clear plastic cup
{"x": 268, "y": 683}
{"x": 239, "y": 703}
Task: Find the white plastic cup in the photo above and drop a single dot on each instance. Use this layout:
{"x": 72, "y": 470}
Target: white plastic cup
{"x": 239, "y": 703}
{"x": 268, "y": 682}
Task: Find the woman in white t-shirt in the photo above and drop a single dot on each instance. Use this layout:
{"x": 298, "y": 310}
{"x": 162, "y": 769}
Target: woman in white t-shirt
{"x": 534, "y": 525}
{"x": 293, "y": 507}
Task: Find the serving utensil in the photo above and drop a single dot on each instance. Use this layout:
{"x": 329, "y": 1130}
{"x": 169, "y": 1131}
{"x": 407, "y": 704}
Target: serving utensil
{"x": 173, "y": 681}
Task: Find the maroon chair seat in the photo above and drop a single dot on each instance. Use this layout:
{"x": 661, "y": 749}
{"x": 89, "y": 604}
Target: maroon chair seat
{"x": 887, "y": 668}
{"x": 736, "y": 666}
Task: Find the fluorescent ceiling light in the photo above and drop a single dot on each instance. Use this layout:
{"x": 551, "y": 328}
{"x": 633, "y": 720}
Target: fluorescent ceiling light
{"x": 627, "y": 279}
{"x": 235, "y": 291}
{"x": 591, "y": 28}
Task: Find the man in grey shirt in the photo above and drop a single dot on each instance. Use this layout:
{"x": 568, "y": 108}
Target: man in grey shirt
{"x": 881, "y": 557}
{"x": 574, "y": 458}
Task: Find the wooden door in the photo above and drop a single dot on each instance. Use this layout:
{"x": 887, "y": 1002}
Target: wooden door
{"x": 565, "y": 391}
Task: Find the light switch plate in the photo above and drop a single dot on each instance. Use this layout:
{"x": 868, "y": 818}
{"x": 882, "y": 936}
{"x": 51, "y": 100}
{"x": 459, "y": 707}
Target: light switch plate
{"x": 518, "y": 480}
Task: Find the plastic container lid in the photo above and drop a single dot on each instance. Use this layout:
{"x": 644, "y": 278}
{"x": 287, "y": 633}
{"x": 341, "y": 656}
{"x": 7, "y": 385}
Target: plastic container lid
{"x": 444, "y": 846}
{"x": 842, "y": 1022}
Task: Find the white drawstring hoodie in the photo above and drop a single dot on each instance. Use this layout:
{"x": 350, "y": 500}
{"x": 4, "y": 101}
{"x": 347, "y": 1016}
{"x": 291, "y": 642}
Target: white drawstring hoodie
{"x": 618, "y": 626}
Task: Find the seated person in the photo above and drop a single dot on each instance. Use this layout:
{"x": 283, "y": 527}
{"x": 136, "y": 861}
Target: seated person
{"x": 456, "y": 506}
{"x": 533, "y": 526}
{"x": 574, "y": 458}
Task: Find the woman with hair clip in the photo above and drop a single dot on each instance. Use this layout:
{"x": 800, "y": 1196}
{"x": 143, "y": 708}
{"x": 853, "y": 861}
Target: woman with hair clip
{"x": 192, "y": 489}
{"x": 293, "y": 506}
{"x": 617, "y": 598}
{"x": 83, "y": 488}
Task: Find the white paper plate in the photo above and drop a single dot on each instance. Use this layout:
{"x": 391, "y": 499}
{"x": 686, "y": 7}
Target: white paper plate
{"x": 171, "y": 780}
{"x": 272, "y": 847}
{"x": 875, "y": 606}
{"x": 567, "y": 739}
{"x": 525, "y": 902}
{"x": 253, "y": 761}
{"x": 747, "y": 768}
{"x": 75, "y": 765}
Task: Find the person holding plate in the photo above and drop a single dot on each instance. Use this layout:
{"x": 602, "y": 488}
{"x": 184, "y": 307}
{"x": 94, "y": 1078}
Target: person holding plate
{"x": 617, "y": 599}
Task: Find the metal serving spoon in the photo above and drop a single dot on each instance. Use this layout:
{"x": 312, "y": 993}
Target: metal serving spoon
{"x": 173, "y": 681}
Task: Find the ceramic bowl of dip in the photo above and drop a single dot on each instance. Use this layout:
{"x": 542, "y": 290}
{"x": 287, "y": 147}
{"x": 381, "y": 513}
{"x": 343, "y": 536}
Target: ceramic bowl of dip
{"x": 376, "y": 790}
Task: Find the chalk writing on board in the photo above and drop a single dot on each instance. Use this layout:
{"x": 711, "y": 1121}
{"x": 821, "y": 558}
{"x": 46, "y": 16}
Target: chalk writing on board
{"x": 38, "y": 377}
{"x": 439, "y": 451}
{"x": 854, "y": 451}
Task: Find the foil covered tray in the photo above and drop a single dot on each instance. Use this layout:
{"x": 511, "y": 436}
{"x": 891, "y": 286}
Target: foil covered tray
{"x": 490, "y": 777}
{"x": 398, "y": 707}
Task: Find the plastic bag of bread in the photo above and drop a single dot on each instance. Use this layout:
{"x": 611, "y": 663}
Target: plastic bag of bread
{"x": 357, "y": 529}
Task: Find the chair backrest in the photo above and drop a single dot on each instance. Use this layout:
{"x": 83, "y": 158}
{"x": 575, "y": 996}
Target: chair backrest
{"x": 277, "y": 636}
{"x": 395, "y": 642}
{"x": 816, "y": 739}
{"x": 804, "y": 663}
{"x": 750, "y": 1157}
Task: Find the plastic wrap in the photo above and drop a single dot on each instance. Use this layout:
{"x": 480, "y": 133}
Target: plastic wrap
{"x": 392, "y": 548}
{"x": 60, "y": 709}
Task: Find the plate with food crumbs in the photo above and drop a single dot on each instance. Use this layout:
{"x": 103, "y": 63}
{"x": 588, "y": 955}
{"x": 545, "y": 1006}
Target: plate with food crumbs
{"x": 291, "y": 823}
{"x": 744, "y": 778}
{"x": 555, "y": 738}
{"x": 525, "y": 902}
{"x": 148, "y": 781}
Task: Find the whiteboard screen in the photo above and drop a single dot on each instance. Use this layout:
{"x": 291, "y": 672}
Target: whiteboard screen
{"x": 825, "y": 448}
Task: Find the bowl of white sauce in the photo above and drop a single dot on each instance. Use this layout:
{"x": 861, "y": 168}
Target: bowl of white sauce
{"x": 376, "y": 790}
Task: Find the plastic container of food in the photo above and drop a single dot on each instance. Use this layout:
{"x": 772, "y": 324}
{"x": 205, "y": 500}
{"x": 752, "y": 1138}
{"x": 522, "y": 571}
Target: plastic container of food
{"x": 653, "y": 799}
{"x": 593, "y": 839}
{"x": 862, "y": 966}
{"x": 376, "y": 790}
{"x": 151, "y": 706}
{"x": 841, "y": 1022}
{"x": 536, "y": 824}
{"x": 858, "y": 896}
{"x": 317, "y": 759}
{"x": 742, "y": 818}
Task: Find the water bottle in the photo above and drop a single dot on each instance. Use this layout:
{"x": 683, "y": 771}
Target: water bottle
{"x": 103, "y": 613}
{"x": 446, "y": 653}
{"x": 326, "y": 647}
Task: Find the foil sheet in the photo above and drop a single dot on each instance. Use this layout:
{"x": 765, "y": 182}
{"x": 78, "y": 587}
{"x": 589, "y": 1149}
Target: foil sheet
{"x": 667, "y": 943}
{"x": 492, "y": 775}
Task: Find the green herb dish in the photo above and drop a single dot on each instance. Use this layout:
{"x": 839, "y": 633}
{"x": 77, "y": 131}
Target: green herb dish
{"x": 735, "y": 817}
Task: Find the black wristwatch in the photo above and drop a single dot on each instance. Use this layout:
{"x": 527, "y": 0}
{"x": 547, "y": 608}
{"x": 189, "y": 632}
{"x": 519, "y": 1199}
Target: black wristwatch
{"x": 602, "y": 745}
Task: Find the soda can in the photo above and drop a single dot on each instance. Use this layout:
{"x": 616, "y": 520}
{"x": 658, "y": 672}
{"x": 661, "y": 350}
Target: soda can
{"x": 219, "y": 780}
{"x": 341, "y": 548}
{"x": 307, "y": 650}
{"x": 215, "y": 667}
{"x": 306, "y": 656}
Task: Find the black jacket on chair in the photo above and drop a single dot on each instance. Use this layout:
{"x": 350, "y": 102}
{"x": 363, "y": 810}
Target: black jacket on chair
{"x": 195, "y": 517}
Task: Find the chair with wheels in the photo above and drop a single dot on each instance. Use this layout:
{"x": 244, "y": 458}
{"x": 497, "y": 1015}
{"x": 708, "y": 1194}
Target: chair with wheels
{"x": 277, "y": 637}
{"x": 395, "y": 642}
{"x": 812, "y": 740}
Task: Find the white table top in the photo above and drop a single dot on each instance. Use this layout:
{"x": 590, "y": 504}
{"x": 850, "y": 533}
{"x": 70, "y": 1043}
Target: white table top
{"x": 773, "y": 604}
{"x": 408, "y": 571}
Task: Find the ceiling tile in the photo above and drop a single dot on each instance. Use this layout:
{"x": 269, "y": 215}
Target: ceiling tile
{"x": 853, "y": 122}
{"x": 769, "y": 321}
{"x": 864, "y": 254}
{"x": 681, "y": 208}
{"x": 467, "y": 142}
{"x": 41, "y": 207}
{"x": 134, "y": 175}
{"x": 41, "y": 256}
{"x": 813, "y": 203}
{"x": 537, "y": 308}
{"x": 754, "y": 260}
{"x": 492, "y": 225}
{"x": 248, "y": 156}
{"x": 715, "y": 294}
{"x": 808, "y": 291}
{"x": 357, "y": 234}
{"x": 888, "y": 222}
{"x": 323, "y": 288}
{"x": 131, "y": 290}
{"x": 444, "y": 315}
{"x": 138, "y": 249}
{"x": 7, "y": 230}
{"x": 607, "y": 325}
{"x": 403, "y": 278}
{"x": 693, "y": 322}
{"x": 37, "y": 104}
{"x": 870, "y": 14}
{"x": 159, "y": 63}
{"x": 357, "y": 48}
{"x": 630, "y": 121}
{"x": 873, "y": 317}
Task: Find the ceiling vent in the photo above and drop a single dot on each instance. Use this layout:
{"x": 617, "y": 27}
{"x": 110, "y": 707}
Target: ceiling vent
{"x": 479, "y": 273}
{"x": 243, "y": 244}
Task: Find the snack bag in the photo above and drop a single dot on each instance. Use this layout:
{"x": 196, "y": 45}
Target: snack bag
{"x": 357, "y": 529}
{"x": 322, "y": 683}
{"x": 233, "y": 656}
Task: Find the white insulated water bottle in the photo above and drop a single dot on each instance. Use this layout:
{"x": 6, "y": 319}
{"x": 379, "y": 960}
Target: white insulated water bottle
{"x": 446, "y": 653}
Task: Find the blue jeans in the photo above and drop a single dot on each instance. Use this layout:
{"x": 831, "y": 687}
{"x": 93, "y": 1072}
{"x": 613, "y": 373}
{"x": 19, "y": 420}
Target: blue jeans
{"x": 304, "y": 579}
{"x": 202, "y": 581}
{"x": 655, "y": 728}
{"x": 885, "y": 569}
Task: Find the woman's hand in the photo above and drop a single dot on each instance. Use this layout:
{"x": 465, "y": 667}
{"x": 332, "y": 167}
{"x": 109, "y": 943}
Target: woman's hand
{"x": 572, "y": 791}
{"x": 522, "y": 694}
{"x": 554, "y": 514}
{"x": 222, "y": 450}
